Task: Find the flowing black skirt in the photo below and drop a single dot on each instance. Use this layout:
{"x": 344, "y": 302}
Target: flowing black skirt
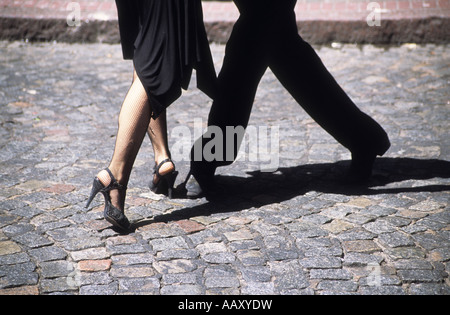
{"x": 166, "y": 40}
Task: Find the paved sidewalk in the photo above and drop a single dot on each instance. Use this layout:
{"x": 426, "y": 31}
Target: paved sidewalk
{"x": 294, "y": 231}
{"x": 401, "y": 21}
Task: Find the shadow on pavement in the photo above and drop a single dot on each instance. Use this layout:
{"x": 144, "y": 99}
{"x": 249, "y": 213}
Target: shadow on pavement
{"x": 239, "y": 193}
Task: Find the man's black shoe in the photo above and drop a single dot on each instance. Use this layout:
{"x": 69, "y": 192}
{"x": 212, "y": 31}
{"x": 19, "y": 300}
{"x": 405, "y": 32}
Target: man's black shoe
{"x": 193, "y": 188}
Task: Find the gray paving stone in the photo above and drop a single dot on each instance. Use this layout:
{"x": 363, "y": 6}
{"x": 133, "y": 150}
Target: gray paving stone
{"x": 430, "y": 241}
{"x": 256, "y": 274}
{"x": 133, "y": 259}
{"x": 14, "y": 259}
{"x": 90, "y": 254}
{"x": 219, "y": 258}
{"x": 58, "y": 285}
{"x": 182, "y": 289}
{"x": 55, "y": 269}
{"x": 429, "y": 289}
{"x": 383, "y": 290}
{"x": 258, "y": 288}
{"x": 330, "y": 274}
{"x": 93, "y": 278}
{"x": 413, "y": 264}
{"x": 405, "y": 253}
{"x": 174, "y": 266}
{"x": 169, "y": 243}
{"x": 361, "y": 259}
{"x": 222, "y": 282}
{"x": 181, "y": 278}
{"x": 141, "y": 271}
{"x": 108, "y": 289}
{"x": 395, "y": 239}
{"x": 141, "y": 286}
{"x": 321, "y": 262}
{"x": 33, "y": 240}
{"x": 375, "y": 279}
{"x": 337, "y": 286}
{"x": 420, "y": 275}
{"x": 18, "y": 275}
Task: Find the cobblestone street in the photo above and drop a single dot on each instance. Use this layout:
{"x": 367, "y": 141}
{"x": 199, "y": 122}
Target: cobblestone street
{"x": 294, "y": 231}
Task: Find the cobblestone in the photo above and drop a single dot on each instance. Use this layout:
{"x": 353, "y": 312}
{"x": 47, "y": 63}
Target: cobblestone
{"x": 294, "y": 231}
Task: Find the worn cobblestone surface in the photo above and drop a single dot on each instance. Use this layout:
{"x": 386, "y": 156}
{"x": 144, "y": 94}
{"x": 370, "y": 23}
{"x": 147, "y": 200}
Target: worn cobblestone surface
{"x": 294, "y": 231}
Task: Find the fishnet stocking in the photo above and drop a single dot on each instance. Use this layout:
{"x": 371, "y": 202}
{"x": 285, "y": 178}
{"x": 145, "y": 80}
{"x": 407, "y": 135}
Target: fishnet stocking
{"x": 134, "y": 121}
{"x": 157, "y": 131}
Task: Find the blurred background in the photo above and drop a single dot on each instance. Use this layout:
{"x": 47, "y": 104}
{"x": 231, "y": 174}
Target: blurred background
{"x": 320, "y": 21}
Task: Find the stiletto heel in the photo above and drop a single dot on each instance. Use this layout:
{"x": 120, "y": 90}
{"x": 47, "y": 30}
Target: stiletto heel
{"x": 111, "y": 213}
{"x": 170, "y": 180}
{"x": 166, "y": 182}
{"x": 97, "y": 186}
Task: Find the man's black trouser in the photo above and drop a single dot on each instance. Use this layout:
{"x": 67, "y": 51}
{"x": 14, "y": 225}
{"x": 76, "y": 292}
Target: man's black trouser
{"x": 267, "y": 36}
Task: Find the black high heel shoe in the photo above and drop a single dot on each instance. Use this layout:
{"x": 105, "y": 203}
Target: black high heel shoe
{"x": 111, "y": 213}
{"x": 165, "y": 183}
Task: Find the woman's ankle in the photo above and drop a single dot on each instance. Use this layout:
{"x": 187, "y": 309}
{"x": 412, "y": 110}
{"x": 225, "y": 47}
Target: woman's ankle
{"x": 104, "y": 178}
{"x": 167, "y": 167}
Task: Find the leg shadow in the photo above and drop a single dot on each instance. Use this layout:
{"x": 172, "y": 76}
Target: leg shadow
{"x": 259, "y": 189}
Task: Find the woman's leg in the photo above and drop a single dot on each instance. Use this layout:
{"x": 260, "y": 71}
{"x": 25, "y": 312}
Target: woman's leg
{"x": 134, "y": 120}
{"x": 157, "y": 132}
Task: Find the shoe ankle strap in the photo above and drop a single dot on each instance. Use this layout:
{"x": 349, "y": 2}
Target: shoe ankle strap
{"x": 158, "y": 167}
{"x": 114, "y": 185}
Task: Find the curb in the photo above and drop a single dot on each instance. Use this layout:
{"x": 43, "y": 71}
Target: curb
{"x": 396, "y": 31}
